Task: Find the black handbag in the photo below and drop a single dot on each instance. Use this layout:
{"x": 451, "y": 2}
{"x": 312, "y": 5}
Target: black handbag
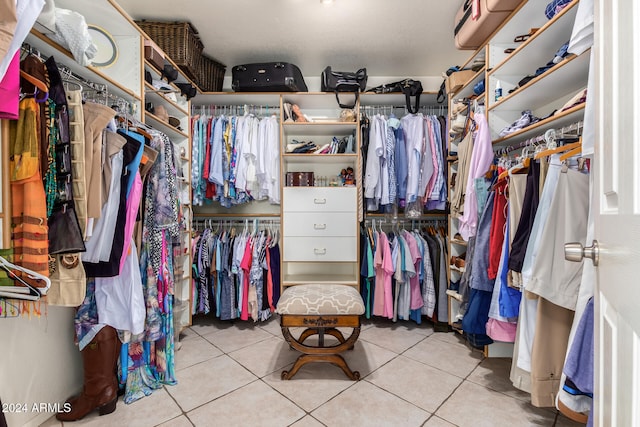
{"x": 65, "y": 235}
{"x": 344, "y": 81}
{"x": 409, "y": 87}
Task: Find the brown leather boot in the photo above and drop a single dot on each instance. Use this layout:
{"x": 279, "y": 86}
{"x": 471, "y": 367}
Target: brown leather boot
{"x": 100, "y": 390}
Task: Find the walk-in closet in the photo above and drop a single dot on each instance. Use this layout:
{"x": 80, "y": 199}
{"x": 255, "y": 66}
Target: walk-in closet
{"x": 319, "y": 213}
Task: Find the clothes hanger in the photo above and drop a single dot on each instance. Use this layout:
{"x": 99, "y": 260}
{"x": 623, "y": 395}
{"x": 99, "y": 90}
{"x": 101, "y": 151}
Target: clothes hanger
{"x": 27, "y": 291}
{"x": 561, "y": 149}
{"x": 572, "y": 152}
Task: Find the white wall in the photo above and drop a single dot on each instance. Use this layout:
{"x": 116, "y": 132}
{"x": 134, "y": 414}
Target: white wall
{"x": 39, "y": 363}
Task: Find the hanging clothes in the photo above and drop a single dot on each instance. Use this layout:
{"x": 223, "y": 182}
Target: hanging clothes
{"x": 481, "y": 159}
{"x": 404, "y": 162}
{"x": 236, "y": 276}
{"x": 235, "y": 159}
{"x": 403, "y": 275}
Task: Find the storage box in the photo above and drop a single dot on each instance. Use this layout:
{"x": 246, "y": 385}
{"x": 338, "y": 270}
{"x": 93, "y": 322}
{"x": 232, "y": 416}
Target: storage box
{"x": 179, "y": 41}
{"x": 211, "y": 75}
{"x": 299, "y": 179}
{"x": 458, "y": 79}
{"x": 153, "y": 54}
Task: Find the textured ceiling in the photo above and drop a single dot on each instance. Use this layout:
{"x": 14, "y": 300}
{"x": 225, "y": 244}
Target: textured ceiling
{"x": 403, "y": 38}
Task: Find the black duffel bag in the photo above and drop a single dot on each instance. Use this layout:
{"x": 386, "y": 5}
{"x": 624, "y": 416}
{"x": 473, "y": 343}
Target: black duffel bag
{"x": 409, "y": 87}
{"x": 344, "y": 81}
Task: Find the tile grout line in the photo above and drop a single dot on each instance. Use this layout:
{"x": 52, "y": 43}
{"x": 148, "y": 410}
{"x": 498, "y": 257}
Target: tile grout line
{"x": 437, "y": 367}
{"x": 178, "y": 405}
{"x": 452, "y": 393}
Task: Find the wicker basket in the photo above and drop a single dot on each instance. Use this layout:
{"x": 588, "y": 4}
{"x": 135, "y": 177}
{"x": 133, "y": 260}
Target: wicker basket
{"x": 211, "y": 75}
{"x": 179, "y": 41}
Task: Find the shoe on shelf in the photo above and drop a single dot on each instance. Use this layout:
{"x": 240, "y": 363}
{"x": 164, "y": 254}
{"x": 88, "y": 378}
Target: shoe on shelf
{"x": 457, "y": 262}
{"x": 298, "y": 116}
{"x": 288, "y": 114}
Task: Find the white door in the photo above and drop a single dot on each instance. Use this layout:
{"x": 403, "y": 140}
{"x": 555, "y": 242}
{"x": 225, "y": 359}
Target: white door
{"x": 617, "y": 213}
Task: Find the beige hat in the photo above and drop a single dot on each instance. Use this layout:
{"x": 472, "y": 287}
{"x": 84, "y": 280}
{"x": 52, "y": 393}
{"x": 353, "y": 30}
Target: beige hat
{"x": 161, "y": 113}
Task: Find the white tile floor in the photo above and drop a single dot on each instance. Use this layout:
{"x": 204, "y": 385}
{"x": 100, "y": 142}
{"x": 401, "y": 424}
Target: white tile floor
{"x": 229, "y": 374}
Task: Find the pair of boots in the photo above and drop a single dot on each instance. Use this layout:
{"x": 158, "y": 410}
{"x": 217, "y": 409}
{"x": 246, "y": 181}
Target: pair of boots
{"x": 100, "y": 390}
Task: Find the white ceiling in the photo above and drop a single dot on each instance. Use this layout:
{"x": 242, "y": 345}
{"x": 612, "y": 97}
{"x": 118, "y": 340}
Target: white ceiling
{"x": 393, "y": 38}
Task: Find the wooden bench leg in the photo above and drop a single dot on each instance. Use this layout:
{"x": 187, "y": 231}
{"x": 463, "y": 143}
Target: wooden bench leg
{"x": 321, "y": 353}
{"x": 334, "y": 359}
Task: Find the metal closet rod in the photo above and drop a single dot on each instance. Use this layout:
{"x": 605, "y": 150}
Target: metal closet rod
{"x": 213, "y": 109}
{"x": 562, "y": 132}
{"x": 71, "y": 77}
{"x": 441, "y": 109}
{"x": 204, "y": 215}
{"x": 415, "y": 222}
{"x": 246, "y": 222}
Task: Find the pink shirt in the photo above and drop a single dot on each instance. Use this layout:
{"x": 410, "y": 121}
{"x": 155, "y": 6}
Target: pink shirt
{"x": 387, "y": 272}
{"x": 246, "y": 266}
{"x": 378, "y": 296}
{"x": 414, "y": 282}
{"x": 133, "y": 203}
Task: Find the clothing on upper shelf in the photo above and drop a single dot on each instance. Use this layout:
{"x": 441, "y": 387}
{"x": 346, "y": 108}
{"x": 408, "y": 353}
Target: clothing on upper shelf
{"x": 403, "y": 274}
{"x": 236, "y": 276}
{"x": 404, "y": 162}
{"x": 235, "y": 159}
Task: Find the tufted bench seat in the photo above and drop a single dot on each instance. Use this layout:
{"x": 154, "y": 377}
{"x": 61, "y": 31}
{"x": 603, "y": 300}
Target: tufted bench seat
{"x": 321, "y": 308}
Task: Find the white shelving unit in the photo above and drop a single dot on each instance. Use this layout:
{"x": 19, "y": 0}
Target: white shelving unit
{"x": 509, "y": 62}
{"x": 320, "y": 223}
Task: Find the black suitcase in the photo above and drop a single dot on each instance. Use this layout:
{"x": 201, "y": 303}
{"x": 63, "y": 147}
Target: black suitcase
{"x": 267, "y": 77}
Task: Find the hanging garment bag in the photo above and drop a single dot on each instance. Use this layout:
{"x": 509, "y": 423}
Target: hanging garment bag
{"x": 471, "y": 31}
{"x": 267, "y": 77}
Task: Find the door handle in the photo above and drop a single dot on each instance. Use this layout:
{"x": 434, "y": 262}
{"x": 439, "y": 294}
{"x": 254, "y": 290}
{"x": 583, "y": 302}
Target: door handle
{"x": 575, "y": 252}
{"x": 320, "y": 226}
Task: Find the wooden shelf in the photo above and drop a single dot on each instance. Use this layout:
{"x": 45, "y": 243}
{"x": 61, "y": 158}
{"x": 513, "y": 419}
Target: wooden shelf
{"x": 319, "y": 128}
{"x": 538, "y": 49}
{"x": 467, "y": 89}
{"x": 155, "y": 96}
{"x": 271, "y": 99}
{"x": 564, "y": 118}
{"x": 165, "y": 127}
{"x": 319, "y": 158}
{"x": 564, "y": 79}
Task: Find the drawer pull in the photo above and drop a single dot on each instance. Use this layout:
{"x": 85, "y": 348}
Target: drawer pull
{"x": 320, "y": 226}
{"x": 319, "y": 201}
{"x": 321, "y": 251}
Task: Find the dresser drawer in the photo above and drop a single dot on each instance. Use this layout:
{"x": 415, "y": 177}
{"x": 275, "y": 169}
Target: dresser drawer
{"x": 319, "y": 199}
{"x": 319, "y": 224}
{"x": 320, "y": 249}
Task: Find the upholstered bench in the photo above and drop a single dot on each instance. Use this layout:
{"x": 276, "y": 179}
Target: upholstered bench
{"x": 321, "y": 308}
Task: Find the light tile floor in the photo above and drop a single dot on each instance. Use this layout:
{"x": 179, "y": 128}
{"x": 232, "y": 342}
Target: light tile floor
{"x": 229, "y": 374}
